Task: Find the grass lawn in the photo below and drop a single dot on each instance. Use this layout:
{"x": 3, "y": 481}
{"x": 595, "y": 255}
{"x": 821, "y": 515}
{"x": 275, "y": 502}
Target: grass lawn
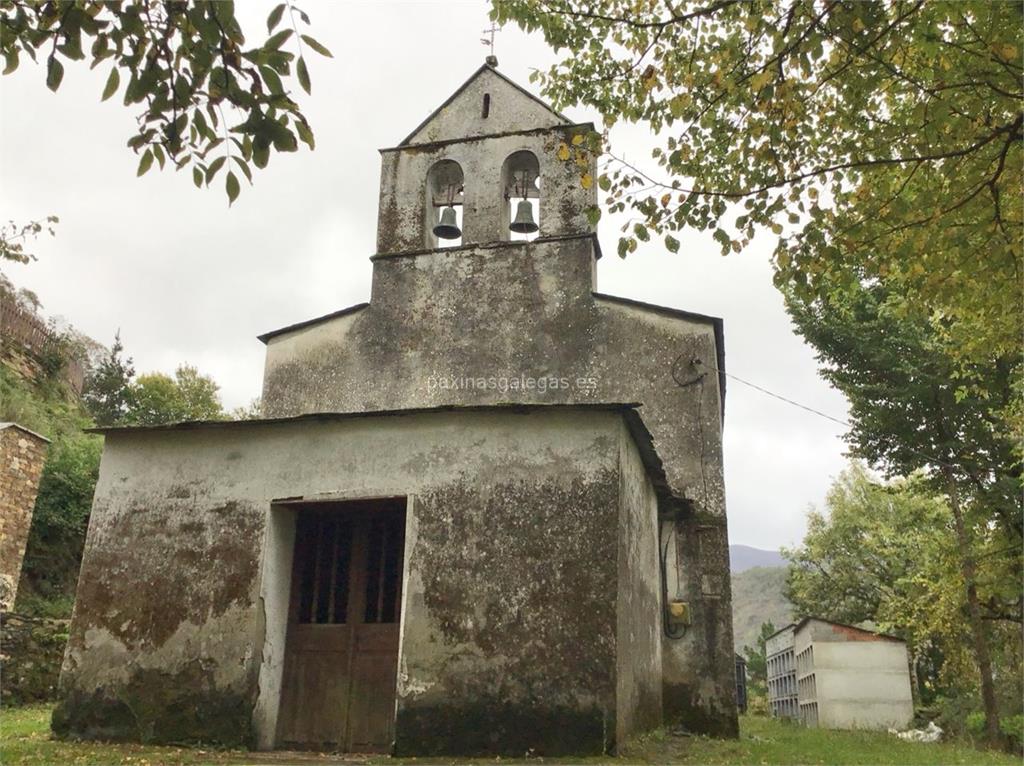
{"x": 25, "y": 741}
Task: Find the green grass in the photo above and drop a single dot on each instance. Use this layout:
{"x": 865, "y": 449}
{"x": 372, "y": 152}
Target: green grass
{"x": 25, "y": 741}
{"x": 768, "y": 741}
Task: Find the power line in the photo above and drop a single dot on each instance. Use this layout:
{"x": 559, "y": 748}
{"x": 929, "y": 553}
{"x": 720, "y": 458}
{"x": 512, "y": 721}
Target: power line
{"x": 780, "y": 397}
{"x": 819, "y": 413}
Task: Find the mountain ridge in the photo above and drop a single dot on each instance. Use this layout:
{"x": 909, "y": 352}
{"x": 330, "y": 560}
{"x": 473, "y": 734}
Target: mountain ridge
{"x": 744, "y": 557}
{"x": 758, "y": 592}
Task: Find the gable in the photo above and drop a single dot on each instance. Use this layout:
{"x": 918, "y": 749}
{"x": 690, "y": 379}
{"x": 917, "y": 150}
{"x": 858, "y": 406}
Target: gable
{"x": 510, "y": 108}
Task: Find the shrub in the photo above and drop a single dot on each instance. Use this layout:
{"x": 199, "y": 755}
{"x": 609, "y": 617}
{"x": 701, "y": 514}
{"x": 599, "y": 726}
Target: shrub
{"x": 1013, "y": 729}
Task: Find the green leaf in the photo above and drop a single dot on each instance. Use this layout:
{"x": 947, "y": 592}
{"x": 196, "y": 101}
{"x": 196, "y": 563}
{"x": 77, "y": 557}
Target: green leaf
{"x": 11, "y": 59}
{"x": 145, "y": 163}
{"x": 275, "y": 17}
{"x": 641, "y": 232}
{"x": 303, "y": 75}
{"x": 54, "y": 73}
{"x": 216, "y": 165}
{"x": 671, "y": 243}
{"x": 276, "y": 41}
{"x": 232, "y": 187}
{"x": 260, "y": 151}
{"x": 305, "y": 134}
{"x": 113, "y": 81}
{"x": 316, "y": 46}
{"x": 272, "y": 80}
{"x": 282, "y": 138}
{"x": 244, "y": 167}
{"x": 197, "y": 177}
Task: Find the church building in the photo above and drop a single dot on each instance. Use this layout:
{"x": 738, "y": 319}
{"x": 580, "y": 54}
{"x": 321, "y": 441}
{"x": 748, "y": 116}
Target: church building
{"x": 482, "y": 513}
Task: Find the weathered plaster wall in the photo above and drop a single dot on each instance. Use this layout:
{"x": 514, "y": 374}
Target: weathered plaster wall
{"x": 509, "y": 636}
{"x": 509, "y": 632}
{"x": 403, "y": 223}
{"x": 639, "y": 672}
{"x": 510, "y": 109}
{"x": 699, "y": 679}
{"x": 275, "y": 592}
{"x": 441, "y": 322}
{"x": 22, "y": 456}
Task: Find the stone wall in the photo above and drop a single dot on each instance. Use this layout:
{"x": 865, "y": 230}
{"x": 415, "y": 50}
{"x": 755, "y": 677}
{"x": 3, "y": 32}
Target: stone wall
{"x": 31, "y": 652}
{"x": 22, "y": 455}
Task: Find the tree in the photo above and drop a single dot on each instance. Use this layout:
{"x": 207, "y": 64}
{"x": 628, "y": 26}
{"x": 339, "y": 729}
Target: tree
{"x": 181, "y": 63}
{"x": 107, "y": 392}
{"x": 251, "y": 411}
{"x": 61, "y": 514}
{"x": 885, "y": 135}
{"x": 157, "y": 398}
{"x": 909, "y": 411}
{"x": 114, "y": 396}
{"x": 887, "y": 553}
{"x": 14, "y": 237}
{"x": 862, "y": 561}
{"x": 757, "y": 659}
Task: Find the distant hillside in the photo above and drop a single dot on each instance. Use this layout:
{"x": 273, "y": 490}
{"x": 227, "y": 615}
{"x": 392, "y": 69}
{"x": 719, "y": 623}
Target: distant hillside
{"x": 756, "y": 598}
{"x": 743, "y": 557}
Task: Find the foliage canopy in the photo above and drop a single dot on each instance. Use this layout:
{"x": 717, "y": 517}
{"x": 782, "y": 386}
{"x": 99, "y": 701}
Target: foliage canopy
{"x": 882, "y": 135}
{"x": 181, "y": 64}
{"x": 886, "y": 553}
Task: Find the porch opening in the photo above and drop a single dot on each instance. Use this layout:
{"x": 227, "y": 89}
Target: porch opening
{"x": 341, "y": 647}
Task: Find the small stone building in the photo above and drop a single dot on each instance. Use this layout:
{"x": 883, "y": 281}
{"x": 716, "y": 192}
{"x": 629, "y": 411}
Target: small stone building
{"x": 22, "y": 456}
{"x": 484, "y": 513}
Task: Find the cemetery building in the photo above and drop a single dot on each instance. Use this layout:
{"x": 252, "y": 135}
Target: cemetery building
{"x": 483, "y": 512}
{"x": 780, "y": 661}
{"x": 851, "y": 678}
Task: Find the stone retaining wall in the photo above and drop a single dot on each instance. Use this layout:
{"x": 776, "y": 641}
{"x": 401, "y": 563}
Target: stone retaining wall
{"x": 31, "y": 653}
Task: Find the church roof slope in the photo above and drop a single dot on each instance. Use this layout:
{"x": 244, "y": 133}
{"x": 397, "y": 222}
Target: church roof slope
{"x": 309, "y": 322}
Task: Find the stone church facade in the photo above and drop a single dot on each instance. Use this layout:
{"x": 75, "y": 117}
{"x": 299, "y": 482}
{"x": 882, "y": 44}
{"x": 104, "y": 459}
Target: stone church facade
{"x": 483, "y": 514}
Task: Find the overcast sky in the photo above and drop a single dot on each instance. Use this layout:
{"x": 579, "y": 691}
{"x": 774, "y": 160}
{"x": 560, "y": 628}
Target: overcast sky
{"x": 186, "y": 279}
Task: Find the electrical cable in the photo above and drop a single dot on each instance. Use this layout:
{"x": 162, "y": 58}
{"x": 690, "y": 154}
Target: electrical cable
{"x": 819, "y": 413}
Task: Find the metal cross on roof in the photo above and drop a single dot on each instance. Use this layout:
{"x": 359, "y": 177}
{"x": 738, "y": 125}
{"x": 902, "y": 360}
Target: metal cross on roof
{"x": 490, "y": 32}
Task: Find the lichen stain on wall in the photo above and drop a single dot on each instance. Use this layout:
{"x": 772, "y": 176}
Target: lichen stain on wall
{"x": 195, "y": 581}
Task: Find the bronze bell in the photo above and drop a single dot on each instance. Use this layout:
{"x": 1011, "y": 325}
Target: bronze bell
{"x": 447, "y": 228}
{"x": 523, "y": 223}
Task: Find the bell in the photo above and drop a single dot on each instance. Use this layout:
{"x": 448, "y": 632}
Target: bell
{"x": 447, "y": 228}
{"x": 523, "y": 224}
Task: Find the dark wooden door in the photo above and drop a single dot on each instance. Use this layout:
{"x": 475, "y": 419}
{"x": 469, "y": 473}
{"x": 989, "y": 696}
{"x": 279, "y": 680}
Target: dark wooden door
{"x": 341, "y": 653}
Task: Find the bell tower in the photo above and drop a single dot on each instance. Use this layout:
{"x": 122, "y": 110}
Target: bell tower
{"x": 484, "y": 168}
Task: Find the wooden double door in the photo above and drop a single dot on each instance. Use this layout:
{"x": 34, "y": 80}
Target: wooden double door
{"x": 341, "y": 651}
